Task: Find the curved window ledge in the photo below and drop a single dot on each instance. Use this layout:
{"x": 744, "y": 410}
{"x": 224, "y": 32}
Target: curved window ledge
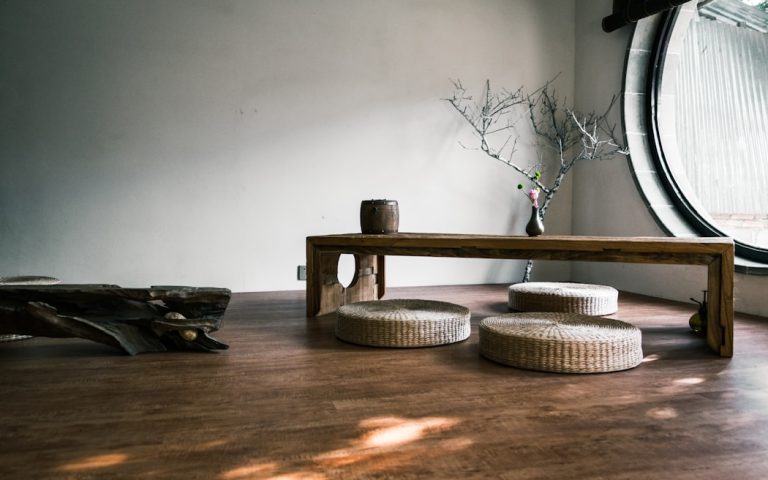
{"x": 635, "y": 118}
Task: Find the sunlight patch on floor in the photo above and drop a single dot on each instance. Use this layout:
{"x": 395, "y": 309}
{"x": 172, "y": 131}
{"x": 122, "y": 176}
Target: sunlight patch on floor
{"x": 405, "y": 431}
{"x": 662, "y": 413}
{"x": 689, "y": 381}
{"x": 267, "y": 472}
{"x": 209, "y": 445}
{"x": 387, "y": 433}
{"x": 681, "y": 385}
{"x": 394, "y": 441}
{"x": 249, "y": 471}
{"x": 300, "y": 476}
{"x": 388, "y": 442}
{"x": 651, "y": 358}
{"x": 95, "y": 462}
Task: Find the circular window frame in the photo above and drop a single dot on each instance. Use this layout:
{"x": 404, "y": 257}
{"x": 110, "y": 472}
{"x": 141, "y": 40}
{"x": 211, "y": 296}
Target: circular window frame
{"x": 653, "y": 167}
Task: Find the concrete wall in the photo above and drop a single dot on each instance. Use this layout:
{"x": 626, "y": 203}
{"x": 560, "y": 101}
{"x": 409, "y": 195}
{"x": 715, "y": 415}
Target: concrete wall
{"x": 606, "y": 201}
{"x": 199, "y": 142}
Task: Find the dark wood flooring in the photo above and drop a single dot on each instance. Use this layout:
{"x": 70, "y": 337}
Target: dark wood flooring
{"x": 290, "y": 401}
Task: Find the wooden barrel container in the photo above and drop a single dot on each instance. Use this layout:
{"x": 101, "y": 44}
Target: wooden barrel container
{"x": 379, "y": 216}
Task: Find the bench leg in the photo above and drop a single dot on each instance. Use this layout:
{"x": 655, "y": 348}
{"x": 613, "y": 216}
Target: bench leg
{"x": 720, "y": 306}
{"x": 324, "y": 292}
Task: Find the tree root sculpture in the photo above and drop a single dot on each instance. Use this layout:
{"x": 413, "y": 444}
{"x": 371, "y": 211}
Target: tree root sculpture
{"x": 136, "y": 320}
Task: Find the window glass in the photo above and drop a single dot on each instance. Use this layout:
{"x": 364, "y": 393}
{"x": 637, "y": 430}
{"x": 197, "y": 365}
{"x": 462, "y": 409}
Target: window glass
{"x": 721, "y": 107}
{"x": 717, "y": 111}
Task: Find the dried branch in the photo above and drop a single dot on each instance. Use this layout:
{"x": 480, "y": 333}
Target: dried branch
{"x": 570, "y": 135}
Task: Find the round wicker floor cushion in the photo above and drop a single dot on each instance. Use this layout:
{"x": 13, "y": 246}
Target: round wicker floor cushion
{"x": 561, "y": 342}
{"x": 563, "y": 297}
{"x": 402, "y": 323}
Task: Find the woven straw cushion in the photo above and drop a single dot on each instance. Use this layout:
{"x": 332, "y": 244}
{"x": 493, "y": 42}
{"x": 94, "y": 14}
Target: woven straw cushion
{"x": 561, "y": 342}
{"x": 402, "y": 323}
{"x": 563, "y": 297}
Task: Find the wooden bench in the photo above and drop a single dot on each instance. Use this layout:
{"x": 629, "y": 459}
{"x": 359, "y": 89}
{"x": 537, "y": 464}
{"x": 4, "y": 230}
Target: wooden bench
{"x": 325, "y": 294}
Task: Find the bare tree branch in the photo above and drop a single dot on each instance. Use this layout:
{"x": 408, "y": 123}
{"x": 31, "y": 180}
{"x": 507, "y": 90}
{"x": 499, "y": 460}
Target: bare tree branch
{"x": 570, "y": 135}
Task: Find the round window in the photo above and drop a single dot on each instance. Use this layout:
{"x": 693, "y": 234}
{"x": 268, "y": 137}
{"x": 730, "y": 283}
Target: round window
{"x": 708, "y": 119}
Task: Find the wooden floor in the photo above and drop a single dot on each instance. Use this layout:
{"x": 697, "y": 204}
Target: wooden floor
{"x": 290, "y": 401}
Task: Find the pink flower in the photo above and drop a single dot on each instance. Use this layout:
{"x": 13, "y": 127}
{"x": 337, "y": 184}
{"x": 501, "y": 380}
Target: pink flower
{"x": 533, "y": 194}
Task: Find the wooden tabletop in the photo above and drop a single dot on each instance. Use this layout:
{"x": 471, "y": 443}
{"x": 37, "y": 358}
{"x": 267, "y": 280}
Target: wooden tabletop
{"x": 698, "y": 250}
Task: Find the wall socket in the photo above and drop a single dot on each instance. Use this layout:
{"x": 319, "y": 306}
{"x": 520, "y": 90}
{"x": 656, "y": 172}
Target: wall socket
{"x": 301, "y": 272}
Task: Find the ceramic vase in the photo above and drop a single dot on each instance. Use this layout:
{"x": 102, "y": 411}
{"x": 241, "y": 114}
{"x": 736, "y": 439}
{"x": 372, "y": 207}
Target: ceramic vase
{"x": 535, "y": 226}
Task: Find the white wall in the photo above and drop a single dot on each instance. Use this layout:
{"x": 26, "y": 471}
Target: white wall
{"x": 199, "y": 142}
{"x": 606, "y": 201}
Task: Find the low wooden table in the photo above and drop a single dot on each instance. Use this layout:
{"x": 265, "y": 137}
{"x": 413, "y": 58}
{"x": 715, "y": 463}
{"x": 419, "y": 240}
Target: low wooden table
{"x": 325, "y": 294}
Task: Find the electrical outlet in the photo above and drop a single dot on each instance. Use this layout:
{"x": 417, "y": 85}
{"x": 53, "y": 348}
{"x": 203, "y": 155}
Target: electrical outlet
{"x": 301, "y": 272}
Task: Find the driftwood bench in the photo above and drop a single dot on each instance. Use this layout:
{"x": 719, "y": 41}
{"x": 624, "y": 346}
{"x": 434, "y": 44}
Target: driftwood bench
{"x": 135, "y": 320}
{"x": 325, "y": 294}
